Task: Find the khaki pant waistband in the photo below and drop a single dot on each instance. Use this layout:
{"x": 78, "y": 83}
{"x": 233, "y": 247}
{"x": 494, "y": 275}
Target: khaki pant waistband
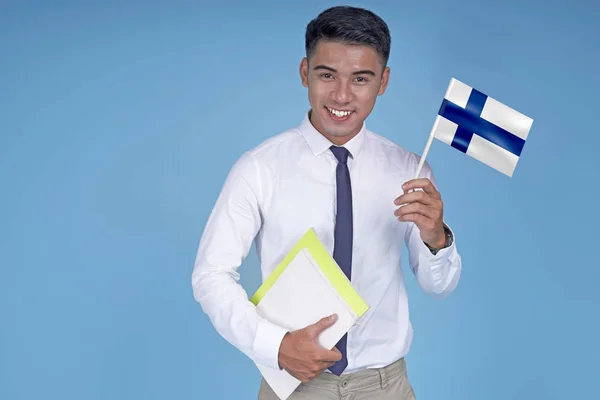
{"x": 359, "y": 380}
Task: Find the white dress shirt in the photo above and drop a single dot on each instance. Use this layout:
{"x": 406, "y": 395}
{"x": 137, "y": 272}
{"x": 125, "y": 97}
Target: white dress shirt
{"x": 287, "y": 184}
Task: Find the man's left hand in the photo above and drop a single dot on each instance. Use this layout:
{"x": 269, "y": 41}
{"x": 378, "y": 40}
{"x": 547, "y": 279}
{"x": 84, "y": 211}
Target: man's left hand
{"x": 425, "y": 208}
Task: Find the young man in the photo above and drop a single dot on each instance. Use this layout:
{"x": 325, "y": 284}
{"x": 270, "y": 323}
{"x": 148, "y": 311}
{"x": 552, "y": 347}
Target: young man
{"x": 333, "y": 174}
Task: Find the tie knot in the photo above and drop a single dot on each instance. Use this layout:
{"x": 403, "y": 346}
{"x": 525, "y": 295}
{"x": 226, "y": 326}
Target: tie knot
{"x": 341, "y": 153}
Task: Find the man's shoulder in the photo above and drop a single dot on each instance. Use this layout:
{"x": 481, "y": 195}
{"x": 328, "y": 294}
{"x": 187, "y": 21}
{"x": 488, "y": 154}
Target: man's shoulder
{"x": 393, "y": 152}
{"x": 263, "y": 158}
{"x": 268, "y": 152}
{"x": 274, "y": 144}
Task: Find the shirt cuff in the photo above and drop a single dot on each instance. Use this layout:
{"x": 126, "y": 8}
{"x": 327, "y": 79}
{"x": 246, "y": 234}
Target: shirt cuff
{"x": 267, "y": 342}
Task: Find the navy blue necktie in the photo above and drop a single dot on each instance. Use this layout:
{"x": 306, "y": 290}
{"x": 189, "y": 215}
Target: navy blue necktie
{"x": 342, "y": 251}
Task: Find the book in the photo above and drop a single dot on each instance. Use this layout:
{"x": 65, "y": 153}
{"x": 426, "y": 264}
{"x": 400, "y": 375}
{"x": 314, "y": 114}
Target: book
{"x": 306, "y": 286}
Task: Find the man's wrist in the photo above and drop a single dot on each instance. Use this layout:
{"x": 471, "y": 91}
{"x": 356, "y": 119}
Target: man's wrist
{"x": 445, "y": 241}
{"x": 439, "y": 243}
{"x": 280, "y": 348}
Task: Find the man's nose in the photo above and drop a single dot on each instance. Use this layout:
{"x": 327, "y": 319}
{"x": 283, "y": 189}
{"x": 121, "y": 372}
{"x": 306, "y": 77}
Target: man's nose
{"x": 342, "y": 93}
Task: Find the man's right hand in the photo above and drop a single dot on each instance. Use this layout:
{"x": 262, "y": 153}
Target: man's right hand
{"x": 301, "y": 355}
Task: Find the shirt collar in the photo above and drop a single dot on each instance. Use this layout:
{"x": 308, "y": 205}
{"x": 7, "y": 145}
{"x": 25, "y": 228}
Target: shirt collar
{"x": 320, "y": 144}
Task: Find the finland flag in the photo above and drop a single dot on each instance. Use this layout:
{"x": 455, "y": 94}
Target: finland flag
{"x": 481, "y": 127}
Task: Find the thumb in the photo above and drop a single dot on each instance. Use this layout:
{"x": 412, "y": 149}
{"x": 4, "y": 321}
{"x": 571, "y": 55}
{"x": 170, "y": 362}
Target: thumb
{"x": 338, "y": 353}
{"x": 323, "y": 324}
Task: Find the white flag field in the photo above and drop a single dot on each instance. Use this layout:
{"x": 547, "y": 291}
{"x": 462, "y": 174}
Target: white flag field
{"x": 480, "y": 127}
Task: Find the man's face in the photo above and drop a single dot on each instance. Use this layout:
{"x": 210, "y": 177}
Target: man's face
{"x": 343, "y": 83}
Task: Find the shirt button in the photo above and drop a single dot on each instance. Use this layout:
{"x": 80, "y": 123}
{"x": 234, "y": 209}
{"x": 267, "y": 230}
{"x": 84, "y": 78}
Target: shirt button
{"x": 344, "y": 383}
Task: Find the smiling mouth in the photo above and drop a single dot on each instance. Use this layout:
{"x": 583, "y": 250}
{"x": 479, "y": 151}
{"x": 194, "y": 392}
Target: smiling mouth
{"x": 339, "y": 113}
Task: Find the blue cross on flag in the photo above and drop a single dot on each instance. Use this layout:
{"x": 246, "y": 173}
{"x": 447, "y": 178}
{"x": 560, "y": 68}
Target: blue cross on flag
{"x": 481, "y": 127}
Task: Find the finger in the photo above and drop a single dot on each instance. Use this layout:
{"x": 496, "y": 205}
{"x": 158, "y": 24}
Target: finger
{"x": 329, "y": 356}
{"x": 324, "y": 364}
{"x": 419, "y": 196}
{"x": 337, "y": 355}
{"x": 324, "y": 323}
{"x": 422, "y": 183}
{"x": 419, "y": 219}
{"x": 316, "y": 372}
{"x": 418, "y": 208}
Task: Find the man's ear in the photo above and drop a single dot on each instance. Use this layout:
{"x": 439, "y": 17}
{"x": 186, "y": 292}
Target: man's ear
{"x": 385, "y": 78}
{"x": 304, "y": 72}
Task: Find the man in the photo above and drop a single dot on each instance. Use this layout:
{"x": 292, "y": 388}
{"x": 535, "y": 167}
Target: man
{"x": 356, "y": 189}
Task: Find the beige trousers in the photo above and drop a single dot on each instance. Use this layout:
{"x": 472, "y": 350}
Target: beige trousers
{"x": 390, "y": 382}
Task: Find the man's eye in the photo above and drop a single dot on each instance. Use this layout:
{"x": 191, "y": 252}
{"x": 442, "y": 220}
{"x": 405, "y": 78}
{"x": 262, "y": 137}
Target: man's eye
{"x": 361, "y": 79}
{"x": 326, "y": 75}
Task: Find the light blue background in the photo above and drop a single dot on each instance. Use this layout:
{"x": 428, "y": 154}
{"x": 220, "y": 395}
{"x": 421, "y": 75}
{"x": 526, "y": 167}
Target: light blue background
{"x": 120, "y": 120}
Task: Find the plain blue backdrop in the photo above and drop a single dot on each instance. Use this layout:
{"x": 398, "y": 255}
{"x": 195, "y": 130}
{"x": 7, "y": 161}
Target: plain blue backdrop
{"x": 119, "y": 122}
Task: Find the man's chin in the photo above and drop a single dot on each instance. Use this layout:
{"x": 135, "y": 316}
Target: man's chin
{"x": 335, "y": 129}
{"x": 336, "y": 133}
{"x": 342, "y": 130}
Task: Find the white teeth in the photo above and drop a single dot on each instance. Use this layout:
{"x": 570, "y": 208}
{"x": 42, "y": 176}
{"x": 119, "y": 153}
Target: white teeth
{"x": 339, "y": 113}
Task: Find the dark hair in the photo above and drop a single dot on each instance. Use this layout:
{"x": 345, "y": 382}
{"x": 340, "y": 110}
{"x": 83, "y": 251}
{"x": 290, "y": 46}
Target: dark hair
{"x": 350, "y": 25}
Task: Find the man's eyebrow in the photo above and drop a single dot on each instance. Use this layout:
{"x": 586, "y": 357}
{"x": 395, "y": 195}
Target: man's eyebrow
{"x": 364, "y": 72}
{"x": 361, "y": 72}
{"x": 325, "y": 67}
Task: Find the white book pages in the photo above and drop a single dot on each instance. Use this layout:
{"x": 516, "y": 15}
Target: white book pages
{"x": 301, "y": 296}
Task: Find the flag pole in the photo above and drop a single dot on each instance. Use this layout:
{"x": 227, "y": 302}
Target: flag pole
{"x": 427, "y": 146}
{"x": 422, "y": 160}
{"x": 431, "y": 135}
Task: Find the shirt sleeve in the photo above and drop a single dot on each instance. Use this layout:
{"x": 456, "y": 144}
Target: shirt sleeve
{"x": 437, "y": 274}
{"x": 225, "y": 243}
